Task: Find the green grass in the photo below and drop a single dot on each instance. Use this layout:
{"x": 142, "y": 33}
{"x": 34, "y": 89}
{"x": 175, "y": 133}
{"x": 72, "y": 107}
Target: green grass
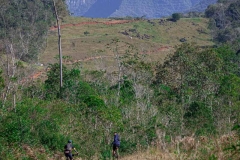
{"x": 193, "y": 19}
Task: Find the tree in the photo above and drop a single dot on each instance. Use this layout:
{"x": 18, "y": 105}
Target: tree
{"x": 233, "y": 14}
{"x": 224, "y": 21}
{"x": 23, "y": 30}
{"x": 59, "y": 45}
{"x": 71, "y": 79}
{"x": 176, "y": 17}
{"x": 1, "y": 81}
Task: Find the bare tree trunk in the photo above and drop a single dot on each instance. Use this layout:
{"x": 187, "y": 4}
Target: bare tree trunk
{"x": 13, "y": 75}
{"x": 10, "y": 75}
{"x": 119, "y": 73}
{"x": 14, "y": 100}
{"x": 59, "y": 46}
{"x": 6, "y": 94}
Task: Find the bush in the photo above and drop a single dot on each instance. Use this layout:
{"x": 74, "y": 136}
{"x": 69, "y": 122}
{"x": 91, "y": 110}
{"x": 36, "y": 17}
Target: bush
{"x": 31, "y": 124}
{"x": 127, "y": 146}
{"x": 50, "y": 136}
{"x": 176, "y": 17}
{"x": 198, "y": 117}
{"x": 86, "y": 33}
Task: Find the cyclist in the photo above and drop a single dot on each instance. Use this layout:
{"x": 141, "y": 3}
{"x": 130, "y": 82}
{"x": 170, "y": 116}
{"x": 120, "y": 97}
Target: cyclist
{"x": 68, "y": 150}
{"x": 116, "y": 144}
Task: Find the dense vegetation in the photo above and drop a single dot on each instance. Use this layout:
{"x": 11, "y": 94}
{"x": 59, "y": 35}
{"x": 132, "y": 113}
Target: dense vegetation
{"x": 24, "y": 25}
{"x": 194, "y": 92}
{"x": 225, "y": 21}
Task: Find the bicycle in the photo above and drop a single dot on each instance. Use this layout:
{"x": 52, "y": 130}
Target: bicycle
{"x": 115, "y": 154}
{"x": 73, "y": 154}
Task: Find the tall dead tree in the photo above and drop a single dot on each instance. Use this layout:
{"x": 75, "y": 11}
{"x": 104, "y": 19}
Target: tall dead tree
{"x": 59, "y": 44}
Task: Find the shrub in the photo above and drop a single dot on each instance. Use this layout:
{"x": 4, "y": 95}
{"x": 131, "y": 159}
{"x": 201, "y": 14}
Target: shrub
{"x": 127, "y": 146}
{"x": 86, "y": 33}
{"x": 198, "y": 116}
{"x": 176, "y": 17}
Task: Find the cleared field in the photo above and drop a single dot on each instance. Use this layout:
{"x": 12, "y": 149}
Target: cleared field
{"x": 85, "y": 40}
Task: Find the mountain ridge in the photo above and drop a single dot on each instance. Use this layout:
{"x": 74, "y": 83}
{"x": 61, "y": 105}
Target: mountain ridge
{"x": 134, "y": 8}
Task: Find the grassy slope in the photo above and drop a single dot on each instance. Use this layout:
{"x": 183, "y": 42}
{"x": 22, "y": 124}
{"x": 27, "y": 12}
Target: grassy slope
{"x": 79, "y": 46}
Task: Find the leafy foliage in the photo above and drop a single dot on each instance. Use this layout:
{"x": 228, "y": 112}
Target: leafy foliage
{"x": 32, "y": 125}
{"x": 176, "y": 17}
{"x": 200, "y": 114}
{"x": 196, "y": 76}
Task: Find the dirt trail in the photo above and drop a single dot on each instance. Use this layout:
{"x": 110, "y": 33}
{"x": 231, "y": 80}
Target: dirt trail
{"x": 41, "y": 73}
{"x": 148, "y": 156}
{"x": 86, "y": 59}
{"x": 160, "y": 49}
{"x": 112, "y": 22}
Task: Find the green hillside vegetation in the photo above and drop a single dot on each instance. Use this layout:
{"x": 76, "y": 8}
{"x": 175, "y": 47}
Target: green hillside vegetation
{"x": 170, "y": 89}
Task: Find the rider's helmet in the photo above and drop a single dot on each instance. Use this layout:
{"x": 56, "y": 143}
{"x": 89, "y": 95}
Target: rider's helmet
{"x": 69, "y": 141}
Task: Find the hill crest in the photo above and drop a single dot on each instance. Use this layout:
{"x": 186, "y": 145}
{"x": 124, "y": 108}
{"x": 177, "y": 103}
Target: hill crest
{"x": 135, "y": 8}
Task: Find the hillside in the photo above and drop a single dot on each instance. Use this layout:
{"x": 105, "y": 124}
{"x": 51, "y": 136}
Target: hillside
{"x": 170, "y": 88}
{"x": 135, "y": 8}
{"x": 86, "y": 39}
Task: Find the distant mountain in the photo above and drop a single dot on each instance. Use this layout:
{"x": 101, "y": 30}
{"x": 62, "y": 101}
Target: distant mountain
{"x": 135, "y": 8}
{"x": 103, "y": 8}
{"x": 202, "y": 5}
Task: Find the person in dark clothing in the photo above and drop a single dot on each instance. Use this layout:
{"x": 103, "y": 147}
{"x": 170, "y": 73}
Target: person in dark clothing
{"x": 116, "y": 144}
{"x": 68, "y": 150}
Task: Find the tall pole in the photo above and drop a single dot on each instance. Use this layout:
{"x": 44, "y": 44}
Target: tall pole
{"x": 59, "y": 46}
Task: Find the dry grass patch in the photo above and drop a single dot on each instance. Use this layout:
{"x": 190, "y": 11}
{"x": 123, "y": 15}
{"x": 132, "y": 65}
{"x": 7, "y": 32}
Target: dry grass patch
{"x": 189, "y": 148}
